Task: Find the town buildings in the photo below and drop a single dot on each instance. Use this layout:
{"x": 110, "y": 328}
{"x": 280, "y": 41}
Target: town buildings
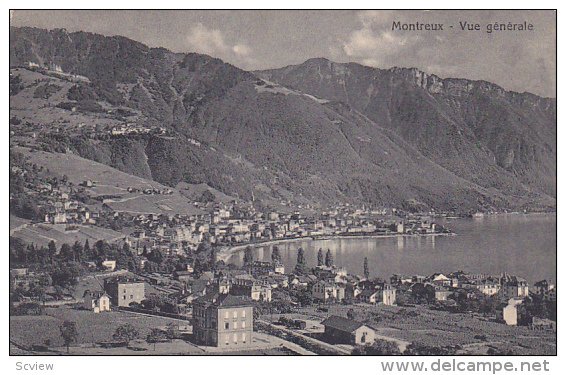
{"x": 545, "y": 290}
{"x": 382, "y": 293}
{"x": 510, "y": 314}
{"x": 339, "y": 330}
{"x": 328, "y": 291}
{"x": 96, "y": 301}
{"x": 124, "y": 291}
{"x": 513, "y": 287}
{"x": 223, "y": 320}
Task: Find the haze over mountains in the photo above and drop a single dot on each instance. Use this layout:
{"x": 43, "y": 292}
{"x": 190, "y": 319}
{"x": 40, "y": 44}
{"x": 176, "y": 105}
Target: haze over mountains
{"x": 318, "y": 132}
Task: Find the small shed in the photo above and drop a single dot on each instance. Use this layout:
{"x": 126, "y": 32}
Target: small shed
{"x": 339, "y": 330}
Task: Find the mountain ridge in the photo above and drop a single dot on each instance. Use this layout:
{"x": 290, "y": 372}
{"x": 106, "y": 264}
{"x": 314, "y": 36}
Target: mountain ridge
{"x": 441, "y": 97}
{"x": 257, "y": 138}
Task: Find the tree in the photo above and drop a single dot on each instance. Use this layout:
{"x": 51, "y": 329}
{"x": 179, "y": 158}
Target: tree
{"x": 205, "y": 246}
{"x": 301, "y": 266}
{"x": 68, "y": 332}
{"x": 66, "y": 253}
{"x": 304, "y": 297}
{"x": 418, "y": 349}
{"x": 155, "y": 256}
{"x": 351, "y": 314}
{"x": 78, "y": 251}
{"x": 126, "y": 333}
{"x": 248, "y": 256}
{"x": 423, "y": 293}
{"x": 379, "y": 347}
{"x": 37, "y": 291}
{"x": 275, "y": 255}
{"x": 172, "y": 330}
{"x": 88, "y": 251}
{"x": 156, "y": 335}
{"x": 126, "y": 248}
{"x": 207, "y": 197}
{"x": 329, "y": 260}
{"x": 52, "y": 250}
{"x": 366, "y": 268}
{"x": 320, "y": 257}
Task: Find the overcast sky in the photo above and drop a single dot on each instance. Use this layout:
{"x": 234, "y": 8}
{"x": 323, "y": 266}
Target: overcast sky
{"x": 516, "y": 60}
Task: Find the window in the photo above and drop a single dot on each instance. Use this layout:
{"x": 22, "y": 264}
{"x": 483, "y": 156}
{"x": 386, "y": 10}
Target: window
{"x": 235, "y": 338}
{"x": 226, "y": 325}
{"x": 226, "y": 315}
{"x": 244, "y": 338}
{"x": 227, "y": 339}
{"x": 123, "y": 297}
{"x": 235, "y": 325}
{"x": 131, "y": 296}
{"x": 235, "y": 314}
{"x": 244, "y": 324}
{"x": 243, "y": 313}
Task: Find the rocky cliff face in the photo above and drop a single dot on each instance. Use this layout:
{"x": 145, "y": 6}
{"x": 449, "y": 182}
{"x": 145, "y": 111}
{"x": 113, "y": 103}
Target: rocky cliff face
{"x": 316, "y": 133}
{"x": 476, "y": 129}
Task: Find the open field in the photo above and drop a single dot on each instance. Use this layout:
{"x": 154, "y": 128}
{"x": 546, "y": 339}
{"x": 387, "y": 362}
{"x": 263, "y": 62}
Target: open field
{"x": 111, "y": 181}
{"x": 78, "y": 169}
{"x": 17, "y": 223}
{"x": 438, "y": 328}
{"x": 35, "y": 330}
{"x": 153, "y": 204}
{"x": 41, "y": 234}
{"x": 91, "y": 327}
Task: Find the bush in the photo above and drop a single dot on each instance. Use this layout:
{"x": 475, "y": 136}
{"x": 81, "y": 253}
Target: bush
{"x": 379, "y": 347}
{"x": 81, "y": 92}
{"x": 419, "y": 349}
{"x": 82, "y": 106}
{"x": 45, "y": 91}
{"x": 28, "y": 308}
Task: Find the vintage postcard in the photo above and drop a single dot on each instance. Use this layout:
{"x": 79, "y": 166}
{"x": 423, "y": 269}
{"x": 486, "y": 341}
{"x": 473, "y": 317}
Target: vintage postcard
{"x": 282, "y": 182}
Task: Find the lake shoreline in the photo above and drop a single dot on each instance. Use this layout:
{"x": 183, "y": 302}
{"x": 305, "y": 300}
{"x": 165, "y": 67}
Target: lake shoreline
{"x": 226, "y": 252}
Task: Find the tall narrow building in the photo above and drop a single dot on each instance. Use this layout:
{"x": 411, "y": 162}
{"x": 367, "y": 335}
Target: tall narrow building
{"x": 223, "y": 320}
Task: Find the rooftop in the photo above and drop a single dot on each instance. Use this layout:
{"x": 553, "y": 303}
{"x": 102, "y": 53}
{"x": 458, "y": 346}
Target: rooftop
{"x": 342, "y": 324}
{"x": 223, "y": 300}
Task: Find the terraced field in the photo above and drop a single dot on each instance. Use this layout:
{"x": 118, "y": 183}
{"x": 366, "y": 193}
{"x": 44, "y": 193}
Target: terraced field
{"x": 41, "y": 234}
{"x": 439, "y": 328}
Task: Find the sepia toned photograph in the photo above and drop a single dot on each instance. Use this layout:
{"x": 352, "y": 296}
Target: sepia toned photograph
{"x": 282, "y": 182}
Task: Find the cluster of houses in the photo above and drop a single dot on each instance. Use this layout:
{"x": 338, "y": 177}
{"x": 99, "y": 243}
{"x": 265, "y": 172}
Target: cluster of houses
{"x": 57, "y": 200}
{"x": 136, "y": 129}
{"x": 118, "y": 291}
{"x": 54, "y": 69}
{"x": 511, "y": 290}
{"x": 63, "y": 210}
{"x": 231, "y": 224}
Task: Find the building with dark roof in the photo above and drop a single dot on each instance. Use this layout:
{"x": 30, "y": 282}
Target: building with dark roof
{"x": 339, "y": 330}
{"x": 97, "y": 301}
{"x": 223, "y": 320}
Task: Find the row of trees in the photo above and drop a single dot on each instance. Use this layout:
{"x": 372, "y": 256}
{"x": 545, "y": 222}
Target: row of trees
{"x": 384, "y": 347}
{"x": 124, "y": 333}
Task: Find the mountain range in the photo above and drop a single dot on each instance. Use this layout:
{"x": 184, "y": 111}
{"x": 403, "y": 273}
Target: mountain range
{"x": 320, "y": 132}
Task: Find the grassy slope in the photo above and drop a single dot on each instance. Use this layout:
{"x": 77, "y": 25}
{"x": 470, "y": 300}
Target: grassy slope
{"x": 112, "y": 181}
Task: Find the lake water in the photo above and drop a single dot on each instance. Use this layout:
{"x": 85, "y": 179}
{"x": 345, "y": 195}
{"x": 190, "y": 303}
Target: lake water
{"x": 519, "y": 244}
